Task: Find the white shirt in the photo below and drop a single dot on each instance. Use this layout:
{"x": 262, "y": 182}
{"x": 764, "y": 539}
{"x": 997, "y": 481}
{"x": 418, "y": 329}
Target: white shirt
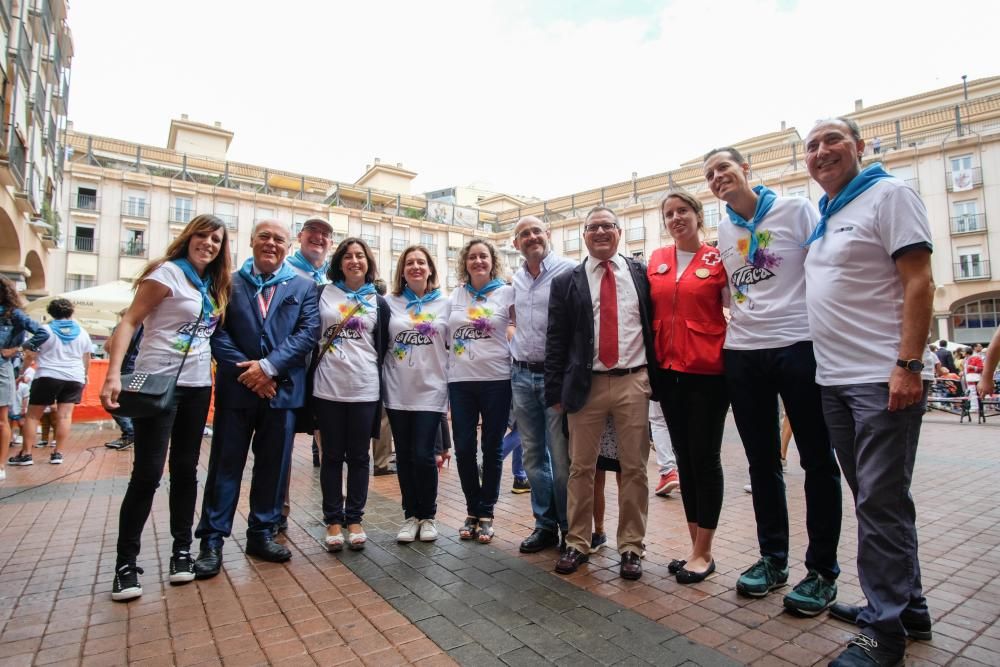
{"x": 348, "y": 371}
{"x": 63, "y": 361}
{"x": 478, "y": 335}
{"x": 768, "y": 299}
{"x": 631, "y": 350}
{"x": 855, "y": 296}
{"x": 531, "y": 307}
{"x": 415, "y": 368}
{"x": 168, "y": 330}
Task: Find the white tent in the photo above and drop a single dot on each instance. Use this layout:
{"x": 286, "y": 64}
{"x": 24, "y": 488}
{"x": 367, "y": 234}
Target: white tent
{"x": 97, "y": 307}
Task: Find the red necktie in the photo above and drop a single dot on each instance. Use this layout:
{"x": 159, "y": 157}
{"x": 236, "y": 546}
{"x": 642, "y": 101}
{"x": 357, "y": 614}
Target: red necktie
{"x": 607, "y": 346}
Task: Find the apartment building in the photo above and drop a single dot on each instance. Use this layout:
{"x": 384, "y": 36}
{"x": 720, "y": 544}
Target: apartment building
{"x": 35, "y": 52}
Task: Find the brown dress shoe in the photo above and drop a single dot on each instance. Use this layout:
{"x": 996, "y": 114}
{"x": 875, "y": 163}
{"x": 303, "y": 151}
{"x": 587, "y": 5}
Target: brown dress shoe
{"x": 570, "y": 560}
{"x": 631, "y": 567}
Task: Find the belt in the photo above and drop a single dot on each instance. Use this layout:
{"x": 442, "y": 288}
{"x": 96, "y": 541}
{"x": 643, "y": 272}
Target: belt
{"x": 616, "y": 372}
{"x": 533, "y": 366}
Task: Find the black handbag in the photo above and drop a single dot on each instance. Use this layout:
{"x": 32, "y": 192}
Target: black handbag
{"x": 148, "y": 394}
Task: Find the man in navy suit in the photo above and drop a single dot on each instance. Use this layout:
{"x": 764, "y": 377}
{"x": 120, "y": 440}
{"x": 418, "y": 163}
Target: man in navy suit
{"x": 598, "y": 347}
{"x": 271, "y": 324}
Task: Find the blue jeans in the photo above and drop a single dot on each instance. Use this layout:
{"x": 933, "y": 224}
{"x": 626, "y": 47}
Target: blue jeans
{"x": 512, "y": 447}
{"x": 545, "y": 447}
{"x": 470, "y": 400}
{"x": 125, "y": 424}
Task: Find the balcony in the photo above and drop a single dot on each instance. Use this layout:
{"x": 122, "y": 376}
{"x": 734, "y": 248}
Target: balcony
{"x": 372, "y": 241}
{"x": 16, "y": 158}
{"x": 571, "y": 245}
{"x": 84, "y": 202}
{"x": 50, "y": 136}
{"x": 635, "y": 234}
{"x": 135, "y": 208}
{"x": 5, "y": 14}
{"x": 711, "y": 219}
{"x": 431, "y": 248}
{"x": 453, "y": 253}
{"x": 230, "y": 220}
{"x": 336, "y": 238}
{"x": 975, "y": 176}
{"x": 180, "y": 215}
{"x": 81, "y": 244}
{"x": 133, "y": 248}
{"x": 22, "y": 54}
{"x": 398, "y": 245}
{"x": 972, "y": 270}
{"x": 964, "y": 224}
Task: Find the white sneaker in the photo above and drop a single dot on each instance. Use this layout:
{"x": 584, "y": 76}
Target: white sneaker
{"x": 408, "y": 531}
{"x": 17, "y": 439}
{"x": 428, "y": 530}
{"x": 3, "y": 474}
{"x": 748, "y": 488}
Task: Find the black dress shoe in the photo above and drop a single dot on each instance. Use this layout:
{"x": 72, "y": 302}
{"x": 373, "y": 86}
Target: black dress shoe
{"x": 917, "y": 626}
{"x": 570, "y": 560}
{"x": 686, "y": 576}
{"x": 538, "y": 540}
{"x": 379, "y": 471}
{"x": 267, "y": 549}
{"x": 676, "y": 566}
{"x": 865, "y": 651}
{"x": 631, "y": 567}
{"x": 209, "y": 563}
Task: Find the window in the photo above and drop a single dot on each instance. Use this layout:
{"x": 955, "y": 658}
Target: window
{"x": 572, "y": 239}
{"x": 970, "y": 262}
{"x": 134, "y": 244}
{"x": 369, "y": 234}
{"x": 226, "y": 211}
{"x": 635, "y": 231}
{"x": 428, "y": 240}
{"x": 907, "y": 174}
{"x": 86, "y": 199}
{"x": 75, "y": 281}
{"x": 961, "y": 162}
{"x": 965, "y": 216}
{"x": 796, "y": 191}
{"x": 298, "y": 219}
{"x": 83, "y": 239}
{"x": 399, "y": 240}
{"x": 711, "y": 216}
{"x": 264, "y": 214}
{"x": 182, "y": 211}
{"x": 135, "y": 205}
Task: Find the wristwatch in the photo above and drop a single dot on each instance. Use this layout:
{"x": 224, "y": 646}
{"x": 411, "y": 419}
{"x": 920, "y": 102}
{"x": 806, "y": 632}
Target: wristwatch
{"x": 912, "y": 365}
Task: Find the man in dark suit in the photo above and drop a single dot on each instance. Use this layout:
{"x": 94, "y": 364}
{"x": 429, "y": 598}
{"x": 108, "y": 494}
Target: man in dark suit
{"x": 599, "y": 344}
{"x": 270, "y": 326}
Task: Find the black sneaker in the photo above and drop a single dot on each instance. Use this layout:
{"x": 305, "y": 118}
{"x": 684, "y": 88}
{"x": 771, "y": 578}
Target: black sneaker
{"x": 120, "y": 444}
{"x": 21, "y": 460}
{"x": 521, "y": 486}
{"x": 181, "y": 568}
{"x": 126, "y": 585}
{"x": 55, "y": 458}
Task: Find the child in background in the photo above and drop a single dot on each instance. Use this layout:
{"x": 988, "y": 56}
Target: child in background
{"x": 19, "y": 404}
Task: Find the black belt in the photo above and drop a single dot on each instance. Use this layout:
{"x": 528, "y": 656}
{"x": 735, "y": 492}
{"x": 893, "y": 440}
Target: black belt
{"x": 616, "y": 372}
{"x": 533, "y": 366}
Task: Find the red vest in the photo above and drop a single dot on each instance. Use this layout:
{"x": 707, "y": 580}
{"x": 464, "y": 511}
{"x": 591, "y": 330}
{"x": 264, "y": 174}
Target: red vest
{"x": 688, "y": 324}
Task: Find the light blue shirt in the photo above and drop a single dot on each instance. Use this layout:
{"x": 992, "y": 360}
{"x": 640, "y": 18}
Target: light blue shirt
{"x": 531, "y": 307}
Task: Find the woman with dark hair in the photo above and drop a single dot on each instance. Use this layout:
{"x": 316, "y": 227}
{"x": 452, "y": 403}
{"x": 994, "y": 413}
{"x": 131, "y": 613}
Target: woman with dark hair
{"x": 179, "y": 300}
{"x": 687, "y": 285}
{"x": 346, "y": 398}
{"x": 416, "y": 387}
{"x": 479, "y": 380}
{"x": 63, "y": 361}
{"x": 13, "y": 325}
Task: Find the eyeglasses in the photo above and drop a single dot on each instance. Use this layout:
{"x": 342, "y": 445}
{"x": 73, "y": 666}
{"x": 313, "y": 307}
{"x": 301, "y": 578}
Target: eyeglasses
{"x": 311, "y": 229}
{"x": 600, "y": 227}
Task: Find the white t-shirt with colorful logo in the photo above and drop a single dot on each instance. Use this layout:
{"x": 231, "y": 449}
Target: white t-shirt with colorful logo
{"x": 172, "y": 326}
{"x": 768, "y": 294}
{"x": 63, "y": 361}
{"x": 478, "y": 335}
{"x": 348, "y": 371}
{"x": 415, "y": 370}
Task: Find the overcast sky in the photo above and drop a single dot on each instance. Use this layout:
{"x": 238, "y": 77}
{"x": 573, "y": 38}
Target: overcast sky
{"x": 538, "y": 98}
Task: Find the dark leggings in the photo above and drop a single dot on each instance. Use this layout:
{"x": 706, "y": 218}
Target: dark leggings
{"x": 414, "y": 433}
{"x": 695, "y": 407}
{"x": 182, "y": 427}
{"x": 345, "y": 430}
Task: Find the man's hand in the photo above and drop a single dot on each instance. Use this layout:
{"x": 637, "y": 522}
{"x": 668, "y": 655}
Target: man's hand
{"x": 254, "y": 377}
{"x": 905, "y": 389}
{"x": 985, "y": 386}
{"x": 267, "y": 390}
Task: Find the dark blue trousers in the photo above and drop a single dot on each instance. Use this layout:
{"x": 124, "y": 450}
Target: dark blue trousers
{"x": 269, "y": 432}
{"x": 489, "y": 400}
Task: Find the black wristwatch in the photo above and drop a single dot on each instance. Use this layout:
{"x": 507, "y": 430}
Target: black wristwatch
{"x": 912, "y": 365}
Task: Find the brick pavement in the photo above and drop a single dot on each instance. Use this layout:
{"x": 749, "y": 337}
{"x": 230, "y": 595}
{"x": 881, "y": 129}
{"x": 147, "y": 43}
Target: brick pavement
{"x": 457, "y": 602}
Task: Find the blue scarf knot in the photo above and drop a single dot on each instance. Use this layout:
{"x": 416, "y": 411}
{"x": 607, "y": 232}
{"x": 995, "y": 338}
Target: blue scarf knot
{"x": 828, "y": 208}
{"x": 299, "y": 261}
{"x": 65, "y": 330}
{"x": 202, "y": 284}
{"x": 765, "y": 200}
{"x": 417, "y": 302}
{"x": 359, "y": 294}
{"x": 481, "y": 294}
{"x": 283, "y": 273}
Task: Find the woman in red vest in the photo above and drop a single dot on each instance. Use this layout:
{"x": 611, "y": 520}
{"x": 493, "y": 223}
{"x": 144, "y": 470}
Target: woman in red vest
{"x": 688, "y": 287}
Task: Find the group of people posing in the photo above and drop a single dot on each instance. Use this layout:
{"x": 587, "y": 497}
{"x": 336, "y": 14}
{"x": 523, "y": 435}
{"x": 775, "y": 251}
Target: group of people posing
{"x": 570, "y": 348}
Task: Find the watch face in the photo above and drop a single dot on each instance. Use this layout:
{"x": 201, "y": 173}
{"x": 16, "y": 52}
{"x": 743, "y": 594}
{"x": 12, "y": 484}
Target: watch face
{"x": 914, "y": 366}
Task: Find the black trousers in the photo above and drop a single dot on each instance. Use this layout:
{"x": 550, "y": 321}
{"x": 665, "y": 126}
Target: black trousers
{"x": 182, "y": 427}
{"x": 414, "y": 433}
{"x": 346, "y": 430}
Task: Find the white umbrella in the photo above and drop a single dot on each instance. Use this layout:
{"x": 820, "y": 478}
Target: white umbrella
{"x": 96, "y": 308}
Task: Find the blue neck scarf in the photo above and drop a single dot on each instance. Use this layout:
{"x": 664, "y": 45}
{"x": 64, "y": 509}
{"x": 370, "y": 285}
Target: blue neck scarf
{"x": 765, "y": 200}
{"x": 246, "y": 271}
{"x": 299, "y": 261}
{"x": 481, "y": 294}
{"x": 359, "y": 294}
{"x": 66, "y": 330}
{"x": 203, "y": 285}
{"x": 828, "y": 208}
{"x": 417, "y": 302}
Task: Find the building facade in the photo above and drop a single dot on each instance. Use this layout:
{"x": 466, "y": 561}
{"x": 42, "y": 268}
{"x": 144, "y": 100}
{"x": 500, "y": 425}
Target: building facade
{"x": 34, "y": 64}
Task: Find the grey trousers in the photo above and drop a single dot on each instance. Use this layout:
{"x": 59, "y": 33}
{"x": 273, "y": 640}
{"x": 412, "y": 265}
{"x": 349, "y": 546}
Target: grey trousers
{"x": 877, "y": 449}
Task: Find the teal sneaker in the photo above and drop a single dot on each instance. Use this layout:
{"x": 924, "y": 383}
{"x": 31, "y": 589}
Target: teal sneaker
{"x": 812, "y": 595}
{"x": 762, "y": 578}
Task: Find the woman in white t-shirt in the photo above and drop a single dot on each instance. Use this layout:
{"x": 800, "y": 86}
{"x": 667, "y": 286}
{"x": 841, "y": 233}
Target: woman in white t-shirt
{"x": 63, "y": 361}
{"x": 347, "y": 387}
{"x": 479, "y": 380}
{"x": 416, "y": 387}
{"x": 179, "y": 300}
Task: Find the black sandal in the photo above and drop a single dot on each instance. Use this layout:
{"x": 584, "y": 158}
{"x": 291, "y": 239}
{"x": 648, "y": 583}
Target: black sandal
{"x": 486, "y": 530}
{"x": 469, "y": 528}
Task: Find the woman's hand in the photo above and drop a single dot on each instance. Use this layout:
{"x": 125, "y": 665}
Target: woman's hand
{"x": 109, "y": 392}
{"x": 444, "y": 458}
